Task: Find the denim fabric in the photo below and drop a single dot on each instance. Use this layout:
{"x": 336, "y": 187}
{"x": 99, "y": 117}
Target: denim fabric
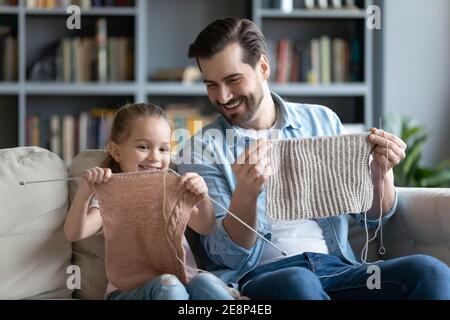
{"x": 315, "y": 276}
{"x": 204, "y": 286}
{"x": 211, "y": 157}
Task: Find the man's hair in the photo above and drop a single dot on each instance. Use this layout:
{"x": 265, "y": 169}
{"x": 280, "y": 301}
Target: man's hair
{"x": 222, "y": 32}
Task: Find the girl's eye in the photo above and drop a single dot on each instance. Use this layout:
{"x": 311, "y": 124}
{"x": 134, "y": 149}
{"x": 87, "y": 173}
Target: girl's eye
{"x": 142, "y": 147}
{"x": 164, "y": 149}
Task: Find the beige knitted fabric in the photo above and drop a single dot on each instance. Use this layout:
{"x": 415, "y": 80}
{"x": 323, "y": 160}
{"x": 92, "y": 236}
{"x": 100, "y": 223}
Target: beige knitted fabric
{"x": 319, "y": 177}
{"x": 144, "y": 218}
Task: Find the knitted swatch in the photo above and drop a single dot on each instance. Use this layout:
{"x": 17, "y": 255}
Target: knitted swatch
{"x": 319, "y": 177}
{"x": 144, "y": 218}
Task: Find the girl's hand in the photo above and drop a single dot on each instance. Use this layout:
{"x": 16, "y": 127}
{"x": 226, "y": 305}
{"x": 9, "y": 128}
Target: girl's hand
{"x": 94, "y": 176}
{"x": 202, "y": 219}
{"x": 195, "y": 183}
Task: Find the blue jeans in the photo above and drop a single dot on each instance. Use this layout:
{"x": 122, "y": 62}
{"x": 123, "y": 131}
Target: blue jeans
{"x": 204, "y": 286}
{"x": 315, "y": 276}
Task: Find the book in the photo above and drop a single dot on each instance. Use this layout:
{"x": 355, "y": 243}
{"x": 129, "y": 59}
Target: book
{"x": 102, "y": 50}
{"x": 287, "y": 6}
{"x": 323, "y": 4}
{"x": 309, "y": 4}
{"x": 325, "y": 60}
{"x": 55, "y": 134}
{"x": 337, "y": 4}
{"x": 186, "y": 75}
{"x": 68, "y": 138}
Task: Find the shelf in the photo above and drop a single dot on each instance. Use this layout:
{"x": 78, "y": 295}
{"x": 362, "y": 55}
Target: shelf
{"x": 175, "y": 88}
{"x": 9, "y": 88}
{"x": 290, "y": 89}
{"x": 131, "y": 11}
{"x": 314, "y": 14}
{"x": 335, "y": 90}
{"x": 9, "y": 10}
{"x": 52, "y": 88}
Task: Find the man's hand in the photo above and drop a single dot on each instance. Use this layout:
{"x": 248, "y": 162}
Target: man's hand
{"x": 388, "y": 152}
{"x": 252, "y": 168}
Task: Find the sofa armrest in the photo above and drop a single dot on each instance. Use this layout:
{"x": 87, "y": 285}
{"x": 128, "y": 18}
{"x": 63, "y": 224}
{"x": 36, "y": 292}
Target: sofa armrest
{"x": 421, "y": 224}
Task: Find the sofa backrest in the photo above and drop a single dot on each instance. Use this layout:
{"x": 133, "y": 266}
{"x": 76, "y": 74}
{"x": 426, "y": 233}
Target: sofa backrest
{"x": 31, "y": 230}
{"x": 88, "y": 254}
{"x": 34, "y": 252}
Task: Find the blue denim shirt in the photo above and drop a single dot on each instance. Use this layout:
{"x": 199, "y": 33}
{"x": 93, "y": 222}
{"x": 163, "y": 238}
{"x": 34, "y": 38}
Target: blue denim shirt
{"x": 211, "y": 157}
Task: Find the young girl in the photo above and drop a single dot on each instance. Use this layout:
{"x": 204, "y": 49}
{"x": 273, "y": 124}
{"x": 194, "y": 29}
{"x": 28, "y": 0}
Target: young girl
{"x": 140, "y": 141}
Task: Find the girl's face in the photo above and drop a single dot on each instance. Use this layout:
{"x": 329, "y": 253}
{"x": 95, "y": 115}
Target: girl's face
{"x": 147, "y": 146}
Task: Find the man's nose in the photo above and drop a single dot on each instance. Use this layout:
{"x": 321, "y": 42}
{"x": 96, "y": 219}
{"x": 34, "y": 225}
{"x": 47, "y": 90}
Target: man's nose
{"x": 224, "y": 95}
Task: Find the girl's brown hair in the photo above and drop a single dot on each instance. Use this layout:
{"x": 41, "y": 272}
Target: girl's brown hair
{"x": 121, "y": 126}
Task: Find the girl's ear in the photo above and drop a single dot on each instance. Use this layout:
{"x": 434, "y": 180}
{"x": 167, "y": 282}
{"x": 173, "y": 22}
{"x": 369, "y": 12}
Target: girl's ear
{"x": 114, "y": 151}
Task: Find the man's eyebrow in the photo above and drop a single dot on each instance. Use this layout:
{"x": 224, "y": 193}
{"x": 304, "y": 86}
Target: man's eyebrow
{"x": 226, "y": 78}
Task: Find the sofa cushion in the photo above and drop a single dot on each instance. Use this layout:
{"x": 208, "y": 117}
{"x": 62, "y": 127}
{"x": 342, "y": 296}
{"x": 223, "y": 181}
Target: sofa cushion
{"x": 88, "y": 254}
{"x": 35, "y": 254}
{"x": 421, "y": 224}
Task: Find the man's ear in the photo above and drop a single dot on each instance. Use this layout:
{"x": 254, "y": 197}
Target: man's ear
{"x": 265, "y": 67}
{"x": 114, "y": 151}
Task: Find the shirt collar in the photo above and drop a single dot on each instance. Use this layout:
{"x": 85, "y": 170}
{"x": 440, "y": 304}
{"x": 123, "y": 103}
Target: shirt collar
{"x": 286, "y": 117}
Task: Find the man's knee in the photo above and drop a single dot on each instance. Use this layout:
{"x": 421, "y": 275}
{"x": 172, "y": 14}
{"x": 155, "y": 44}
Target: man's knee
{"x": 431, "y": 277}
{"x": 428, "y": 268}
{"x": 299, "y": 282}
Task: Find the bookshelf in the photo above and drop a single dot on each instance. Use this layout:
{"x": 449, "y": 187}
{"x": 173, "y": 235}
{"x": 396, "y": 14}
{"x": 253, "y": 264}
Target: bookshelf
{"x": 160, "y": 40}
{"x": 350, "y": 93}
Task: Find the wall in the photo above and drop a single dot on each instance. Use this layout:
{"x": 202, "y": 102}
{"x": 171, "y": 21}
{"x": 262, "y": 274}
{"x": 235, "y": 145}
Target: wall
{"x": 416, "y": 69}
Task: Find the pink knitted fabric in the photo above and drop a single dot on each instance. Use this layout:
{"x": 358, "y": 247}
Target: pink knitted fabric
{"x": 144, "y": 218}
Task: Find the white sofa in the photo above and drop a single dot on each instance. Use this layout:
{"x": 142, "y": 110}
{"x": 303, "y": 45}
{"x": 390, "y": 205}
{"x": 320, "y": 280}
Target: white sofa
{"x": 35, "y": 256}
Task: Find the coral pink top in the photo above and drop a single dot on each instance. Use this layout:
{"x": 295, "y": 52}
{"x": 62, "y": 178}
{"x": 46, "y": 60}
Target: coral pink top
{"x": 144, "y": 218}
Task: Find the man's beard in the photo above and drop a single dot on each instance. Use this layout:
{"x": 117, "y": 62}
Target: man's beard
{"x": 252, "y": 104}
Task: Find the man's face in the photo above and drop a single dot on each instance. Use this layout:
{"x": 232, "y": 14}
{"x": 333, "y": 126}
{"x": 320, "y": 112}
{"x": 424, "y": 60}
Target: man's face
{"x": 234, "y": 87}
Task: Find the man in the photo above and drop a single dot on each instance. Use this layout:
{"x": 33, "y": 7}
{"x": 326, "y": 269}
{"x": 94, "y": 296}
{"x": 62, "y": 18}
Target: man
{"x": 231, "y": 54}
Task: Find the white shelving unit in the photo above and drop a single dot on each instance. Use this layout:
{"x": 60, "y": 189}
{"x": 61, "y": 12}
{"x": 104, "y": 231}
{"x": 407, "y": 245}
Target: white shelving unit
{"x": 161, "y": 39}
{"x": 302, "y": 22}
{"x": 152, "y": 22}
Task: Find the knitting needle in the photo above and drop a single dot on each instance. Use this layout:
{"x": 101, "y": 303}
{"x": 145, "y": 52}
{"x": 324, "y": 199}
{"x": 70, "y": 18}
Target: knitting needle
{"x": 283, "y": 252}
{"x": 24, "y": 183}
